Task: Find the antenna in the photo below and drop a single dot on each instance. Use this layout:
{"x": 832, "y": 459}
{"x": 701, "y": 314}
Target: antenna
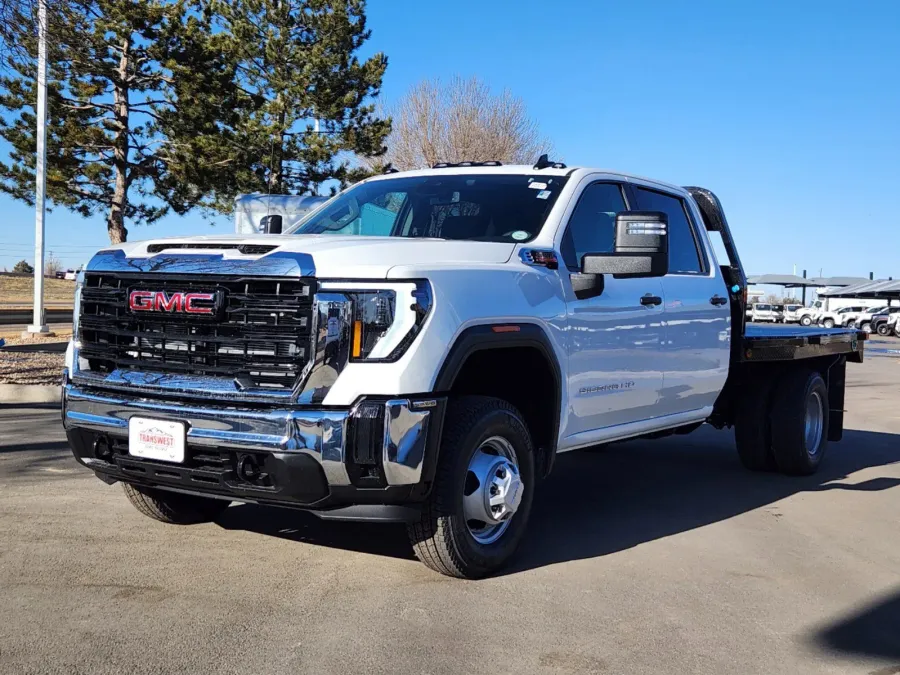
{"x": 544, "y": 162}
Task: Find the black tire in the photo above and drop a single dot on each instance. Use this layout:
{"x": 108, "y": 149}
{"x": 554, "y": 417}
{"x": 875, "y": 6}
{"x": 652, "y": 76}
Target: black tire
{"x": 828, "y": 323}
{"x": 806, "y": 320}
{"x": 173, "y": 507}
{"x": 752, "y": 430}
{"x": 441, "y": 538}
{"x": 883, "y": 329}
{"x": 866, "y": 326}
{"x": 789, "y": 414}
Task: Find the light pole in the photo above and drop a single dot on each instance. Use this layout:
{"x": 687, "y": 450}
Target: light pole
{"x": 37, "y": 324}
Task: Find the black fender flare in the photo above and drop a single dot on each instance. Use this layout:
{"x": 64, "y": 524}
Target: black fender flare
{"x": 504, "y": 336}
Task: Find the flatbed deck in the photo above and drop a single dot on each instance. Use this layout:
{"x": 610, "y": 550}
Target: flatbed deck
{"x": 790, "y": 343}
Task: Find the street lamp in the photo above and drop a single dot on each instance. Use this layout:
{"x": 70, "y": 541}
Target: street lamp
{"x": 37, "y": 325}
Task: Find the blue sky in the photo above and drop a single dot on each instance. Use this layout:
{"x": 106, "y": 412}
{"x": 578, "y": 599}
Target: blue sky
{"x": 789, "y": 111}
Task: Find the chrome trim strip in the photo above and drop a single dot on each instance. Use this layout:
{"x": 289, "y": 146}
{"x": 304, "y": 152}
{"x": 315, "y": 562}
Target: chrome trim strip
{"x": 277, "y": 264}
{"x": 330, "y": 347}
{"x": 405, "y": 432}
{"x": 196, "y": 386}
{"x": 319, "y": 433}
{"x": 88, "y": 420}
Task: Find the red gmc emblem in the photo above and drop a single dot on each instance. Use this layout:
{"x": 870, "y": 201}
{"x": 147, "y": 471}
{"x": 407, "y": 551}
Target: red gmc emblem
{"x": 174, "y": 303}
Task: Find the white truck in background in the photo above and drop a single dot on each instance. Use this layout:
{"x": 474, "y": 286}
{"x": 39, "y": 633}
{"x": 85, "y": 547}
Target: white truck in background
{"x": 763, "y": 312}
{"x": 259, "y": 213}
{"x": 792, "y": 313}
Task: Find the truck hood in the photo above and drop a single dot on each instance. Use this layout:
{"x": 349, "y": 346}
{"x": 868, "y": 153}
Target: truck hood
{"x": 333, "y": 256}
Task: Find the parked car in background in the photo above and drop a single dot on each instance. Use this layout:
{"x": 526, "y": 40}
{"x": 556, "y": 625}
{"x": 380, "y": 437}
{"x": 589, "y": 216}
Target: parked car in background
{"x": 862, "y": 319}
{"x": 809, "y": 315}
{"x": 894, "y": 324}
{"x": 816, "y": 312}
{"x": 763, "y": 312}
{"x": 791, "y": 313}
{"x": 883, "y": 322}
{"x": 839, "y": 318}
{"x": 779, "y": 313}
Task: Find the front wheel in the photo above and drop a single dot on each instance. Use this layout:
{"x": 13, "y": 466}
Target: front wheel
{"x": 866, "y": 326}
{"x": 828, "y": 323}
{"x": 806, "y": 321}
{"x": 479, "y": 505}
{"x": 883, "y": 329}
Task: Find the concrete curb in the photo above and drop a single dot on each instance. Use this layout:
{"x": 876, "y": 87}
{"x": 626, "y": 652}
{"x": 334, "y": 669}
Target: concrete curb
{"x": 29, "y": 393}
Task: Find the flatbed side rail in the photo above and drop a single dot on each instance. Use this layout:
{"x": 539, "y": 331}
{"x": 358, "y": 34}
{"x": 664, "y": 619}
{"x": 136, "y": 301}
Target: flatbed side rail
{"x": 794, "y": 347}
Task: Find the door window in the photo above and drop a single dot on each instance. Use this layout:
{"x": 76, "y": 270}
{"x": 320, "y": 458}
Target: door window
{"x": 591, "y": 228}
{"x": 684, "y": 256}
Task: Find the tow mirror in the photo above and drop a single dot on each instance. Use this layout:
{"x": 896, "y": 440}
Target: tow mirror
{"x": 270, "y": 224}
{"x": 641, "y": 247}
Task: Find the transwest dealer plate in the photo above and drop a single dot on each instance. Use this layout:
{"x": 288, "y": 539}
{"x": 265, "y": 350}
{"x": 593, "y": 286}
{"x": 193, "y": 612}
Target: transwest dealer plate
{"x": 156, "y": 439}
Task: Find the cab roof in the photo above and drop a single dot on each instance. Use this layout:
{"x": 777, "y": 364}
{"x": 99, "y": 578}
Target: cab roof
{"x": 525, "y": 170}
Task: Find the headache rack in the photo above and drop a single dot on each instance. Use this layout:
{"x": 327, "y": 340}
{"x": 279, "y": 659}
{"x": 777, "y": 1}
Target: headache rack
{"x": 259, "y": 337}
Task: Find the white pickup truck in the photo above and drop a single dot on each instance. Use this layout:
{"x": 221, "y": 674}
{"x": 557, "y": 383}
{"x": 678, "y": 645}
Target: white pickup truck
{"x": 431, "y": 371}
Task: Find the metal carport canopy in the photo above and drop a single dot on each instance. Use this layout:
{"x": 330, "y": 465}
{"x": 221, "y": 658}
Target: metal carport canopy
{"x": 839, "y": 281}
{"x": 786, "y": 280}
{"x": 889, "y": 290}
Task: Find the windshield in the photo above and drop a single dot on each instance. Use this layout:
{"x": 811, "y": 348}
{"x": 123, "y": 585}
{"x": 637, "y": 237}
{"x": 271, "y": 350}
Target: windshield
{"x": 764, "y": 308}
{"x": 475, "y": 207}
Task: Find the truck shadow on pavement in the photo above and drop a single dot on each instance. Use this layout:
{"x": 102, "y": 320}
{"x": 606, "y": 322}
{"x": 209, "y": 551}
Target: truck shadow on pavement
{"x": 386, "y": 540}
{"x": 873, "y": 631}
{"x": 598, "y": 503}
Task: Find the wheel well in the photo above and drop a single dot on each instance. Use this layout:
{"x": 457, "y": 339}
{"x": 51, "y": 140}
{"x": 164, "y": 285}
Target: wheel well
{"x": 524, "y": 377}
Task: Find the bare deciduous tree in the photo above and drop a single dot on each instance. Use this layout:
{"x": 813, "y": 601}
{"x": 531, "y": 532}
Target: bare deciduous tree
{"x": 52, "y": 265}
{"x": 460, "y": 121}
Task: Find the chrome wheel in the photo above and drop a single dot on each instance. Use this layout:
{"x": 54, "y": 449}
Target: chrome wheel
{"x": 814, "y": 422}
{"x": 493, "y": 490}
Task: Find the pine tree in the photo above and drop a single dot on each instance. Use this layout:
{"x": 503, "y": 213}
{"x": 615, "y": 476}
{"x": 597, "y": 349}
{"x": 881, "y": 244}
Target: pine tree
{"x": 118, "y": 70}
{"x": 302, "y": 103}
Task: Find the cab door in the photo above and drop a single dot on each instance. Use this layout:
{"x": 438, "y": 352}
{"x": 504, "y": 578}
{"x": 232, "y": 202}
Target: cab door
{"x": 615, "y": 337}
{"x": 697, "y": 310}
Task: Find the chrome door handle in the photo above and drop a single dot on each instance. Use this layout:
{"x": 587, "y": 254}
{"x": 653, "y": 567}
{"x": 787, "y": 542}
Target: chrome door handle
{"x": 651, "y": 300}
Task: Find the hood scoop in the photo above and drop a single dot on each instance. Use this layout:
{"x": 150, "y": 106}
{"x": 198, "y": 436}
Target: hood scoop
{"x": 244, "y": 249}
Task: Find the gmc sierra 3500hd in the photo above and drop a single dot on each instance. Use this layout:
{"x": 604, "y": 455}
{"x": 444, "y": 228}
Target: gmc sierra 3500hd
{"x": 421, "y": 347}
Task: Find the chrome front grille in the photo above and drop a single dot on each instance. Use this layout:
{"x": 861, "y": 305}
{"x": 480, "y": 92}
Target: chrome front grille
{"x": 260, "y": 335}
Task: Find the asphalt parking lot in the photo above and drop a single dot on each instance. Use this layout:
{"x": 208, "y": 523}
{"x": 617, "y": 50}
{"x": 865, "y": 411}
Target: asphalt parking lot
{"x": 650, "y": 557}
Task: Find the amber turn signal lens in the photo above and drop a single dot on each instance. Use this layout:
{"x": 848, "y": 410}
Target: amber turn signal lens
{"x": 356, "y": 347}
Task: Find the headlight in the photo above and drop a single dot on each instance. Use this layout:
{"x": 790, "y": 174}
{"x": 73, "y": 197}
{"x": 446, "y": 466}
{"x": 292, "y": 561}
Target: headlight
{"x": 385, "y": 317}
{"x": 74, "y": 343}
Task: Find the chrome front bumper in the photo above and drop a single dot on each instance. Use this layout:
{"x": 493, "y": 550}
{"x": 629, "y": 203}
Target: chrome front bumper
{"x": 324, "y": 435}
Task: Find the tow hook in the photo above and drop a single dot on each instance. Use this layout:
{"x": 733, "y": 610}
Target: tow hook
{"x": 247, "y": 468}
{"x": 103, "y": 449}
